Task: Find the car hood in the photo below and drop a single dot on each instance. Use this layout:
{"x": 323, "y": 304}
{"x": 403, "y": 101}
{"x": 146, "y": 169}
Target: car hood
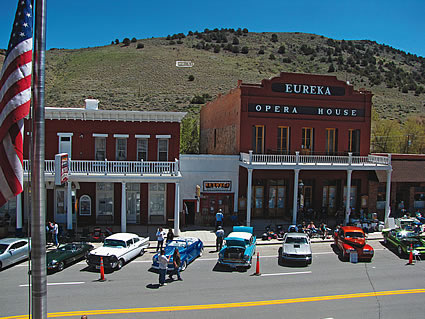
{"x": 296, "y": 249}
{"x": 107, "y": 251}
{"x": 56, "y": 255}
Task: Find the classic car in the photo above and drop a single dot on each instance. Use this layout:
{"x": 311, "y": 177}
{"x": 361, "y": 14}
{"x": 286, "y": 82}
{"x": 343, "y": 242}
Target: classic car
{"x": 351, "y": 240}
{"x": 189, "y": 247}
{"x": 406, "y": 223}
{"x": 117, "y": 250}
{"x": 66, "y": 254}
{"x": 296, "y": 247}
{"x": 239, "y": 247}
{"x": 13, "y": 250}
{"x": 403, "y": 240}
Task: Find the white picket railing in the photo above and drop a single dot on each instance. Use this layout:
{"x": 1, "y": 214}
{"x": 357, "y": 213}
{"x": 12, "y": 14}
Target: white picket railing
{"x": 297, "y": 159}
{"x": 113, "y": 167}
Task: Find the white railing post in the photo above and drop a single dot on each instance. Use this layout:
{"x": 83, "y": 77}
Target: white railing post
{"x": 350, "y": 158}
{"x": 297, "y": 158}
{"x": 106, "y": 166}
{"x": 250, "y": 157}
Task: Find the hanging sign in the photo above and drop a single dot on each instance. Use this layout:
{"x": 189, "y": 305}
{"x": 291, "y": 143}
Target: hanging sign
{"x": 61, "y": 168}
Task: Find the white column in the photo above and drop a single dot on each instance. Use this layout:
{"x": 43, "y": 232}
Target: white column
{"x": 123, "y": 208}
{"x": 177, "y": 210}
{"x": 387, "y": 197}
{"x": 19, "y": 211}
{"x": 348, "y": 198}
{"x": 248, "y": 198}
{"x": 295, "y": 199}
{"x": 69, "y": 206}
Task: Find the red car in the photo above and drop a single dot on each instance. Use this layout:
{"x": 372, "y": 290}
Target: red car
{"x": 350, "y": 239}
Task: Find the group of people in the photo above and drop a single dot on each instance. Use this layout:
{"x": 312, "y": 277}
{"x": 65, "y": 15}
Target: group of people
{"x": 164, "y": 260}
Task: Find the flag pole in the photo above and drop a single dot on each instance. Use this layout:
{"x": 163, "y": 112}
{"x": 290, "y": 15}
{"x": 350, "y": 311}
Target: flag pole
{"x": 38, "y": 218}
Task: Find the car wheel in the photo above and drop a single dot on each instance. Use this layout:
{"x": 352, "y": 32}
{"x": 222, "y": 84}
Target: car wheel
{"x": 201, "y": 252}
{"x": 142, "y": 252}
{"x": 184, "y": 265}
{"x": 61, "y": 266}
{"x": 120, "y": 264}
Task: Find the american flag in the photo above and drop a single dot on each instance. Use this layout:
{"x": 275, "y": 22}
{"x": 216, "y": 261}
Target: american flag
{"x": 15, "y": 99}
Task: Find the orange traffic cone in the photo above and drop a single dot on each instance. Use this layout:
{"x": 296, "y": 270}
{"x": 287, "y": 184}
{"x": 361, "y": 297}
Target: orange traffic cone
{"x": 411, "y": 255}
{"x": 102, "y": 270}
{"x": 257, "y": 270}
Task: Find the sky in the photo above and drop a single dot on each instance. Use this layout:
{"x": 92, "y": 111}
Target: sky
{"x": 88, "y": 23}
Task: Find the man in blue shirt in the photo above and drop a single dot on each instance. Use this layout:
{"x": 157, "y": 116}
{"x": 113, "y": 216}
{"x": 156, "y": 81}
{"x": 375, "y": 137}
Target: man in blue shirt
{"x": 218, "y": 219}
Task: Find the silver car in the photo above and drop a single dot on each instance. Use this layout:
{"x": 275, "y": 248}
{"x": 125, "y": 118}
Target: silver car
{"x": 296, "y": 247}
{"x": 13, "y": 250}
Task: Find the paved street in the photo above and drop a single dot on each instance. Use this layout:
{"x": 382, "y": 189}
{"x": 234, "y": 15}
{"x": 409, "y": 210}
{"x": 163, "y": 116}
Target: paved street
{"x": 322, "y": 290}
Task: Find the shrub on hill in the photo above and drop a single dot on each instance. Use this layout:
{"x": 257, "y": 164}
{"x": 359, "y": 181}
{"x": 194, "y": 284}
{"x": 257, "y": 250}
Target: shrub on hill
{"x": 140, "y": 45}
{"x": 126, "y": 41}
{"x": 274, "y": 37}
{"x": 245, "y": 50}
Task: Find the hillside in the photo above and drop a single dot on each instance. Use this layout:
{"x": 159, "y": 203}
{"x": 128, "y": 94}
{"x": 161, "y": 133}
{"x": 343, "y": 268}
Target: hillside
{"x": 127, "y": 77}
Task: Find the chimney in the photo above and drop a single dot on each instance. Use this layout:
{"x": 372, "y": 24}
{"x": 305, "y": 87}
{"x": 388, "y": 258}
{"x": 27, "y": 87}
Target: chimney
{"x": 92, "y": 104}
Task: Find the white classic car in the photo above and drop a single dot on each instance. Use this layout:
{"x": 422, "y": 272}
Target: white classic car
{"x": 117, "y": 250}
{"x": 12, "y": 251}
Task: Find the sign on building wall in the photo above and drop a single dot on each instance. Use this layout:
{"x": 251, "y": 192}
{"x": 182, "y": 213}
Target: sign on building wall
{"x": 292, "y": 88}
{"x": 61, "y": 168}
{"x": 217, "y": 186}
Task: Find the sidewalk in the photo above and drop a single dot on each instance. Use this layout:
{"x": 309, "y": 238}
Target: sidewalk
{"x": 208, "y": 237}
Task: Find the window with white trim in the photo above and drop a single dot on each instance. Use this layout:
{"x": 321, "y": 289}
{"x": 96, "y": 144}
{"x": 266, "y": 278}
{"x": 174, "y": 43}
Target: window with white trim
{"x": 100, "y": 148}
{"x": 142, "y": 149}
{"x": 163, "y": 149}
{"x": 121, "y": 149}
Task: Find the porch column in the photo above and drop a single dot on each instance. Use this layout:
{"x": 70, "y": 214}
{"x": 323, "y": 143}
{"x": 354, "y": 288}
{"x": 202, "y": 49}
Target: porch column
{"x": 19, "y": 212}
{"x": 123, "y": 208}
{"x": 177, "y": 210}
{"x": 348, "y": 198}
{"x": 295, "y": 199}
{"x": 69, "y": 206}
{"x": 387, "y": 197}
{"x": 248, "y": 198}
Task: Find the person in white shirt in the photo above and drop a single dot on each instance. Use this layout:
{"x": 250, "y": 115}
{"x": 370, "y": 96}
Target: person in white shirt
{"x": 163, "y": 263}
{"x": 160, "y": 238}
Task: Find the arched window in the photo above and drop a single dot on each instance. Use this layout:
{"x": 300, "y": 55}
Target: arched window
{"x": 85, "y": 205}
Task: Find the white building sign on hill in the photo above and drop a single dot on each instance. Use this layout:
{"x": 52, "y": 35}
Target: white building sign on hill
{"x": 184, "y": 64}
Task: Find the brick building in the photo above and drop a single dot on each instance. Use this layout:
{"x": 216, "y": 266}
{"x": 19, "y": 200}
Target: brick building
{"x": 303, "y": 142}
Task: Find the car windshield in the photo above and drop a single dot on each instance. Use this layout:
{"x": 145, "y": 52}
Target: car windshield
{"x": 3, "y": 248}
{"x": 177, "y": 243}
{"x": 114, "y": 243}
{"x": 296, "y": 240}
{"x": 354, "y": 235}
{"x": 235, "y": 242}
{"x": 67, "y": 247}
{"x": 415, "y": 243}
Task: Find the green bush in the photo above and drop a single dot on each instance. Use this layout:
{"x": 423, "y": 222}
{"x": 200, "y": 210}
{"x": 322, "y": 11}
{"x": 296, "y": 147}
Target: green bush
{"x": 140, "y": 45}
{"x": 245, "y": 50}
{"x": 191, "y": 77}
{"x": 274, "y": 37}
{"x": 126, "y": 41}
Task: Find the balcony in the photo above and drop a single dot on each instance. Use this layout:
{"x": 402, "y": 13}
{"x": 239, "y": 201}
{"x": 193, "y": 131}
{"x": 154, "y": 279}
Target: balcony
{"x": 315, "y": 162}
{"x": 82, "y": 169}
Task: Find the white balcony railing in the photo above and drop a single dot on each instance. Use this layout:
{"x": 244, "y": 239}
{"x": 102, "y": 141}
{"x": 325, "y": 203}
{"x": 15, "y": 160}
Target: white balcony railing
{"x": 297, "y": 159}
{"x": 113, "y": 167}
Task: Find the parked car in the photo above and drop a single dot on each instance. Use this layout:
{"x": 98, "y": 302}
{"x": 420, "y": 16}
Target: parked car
{"x": 117, "y": 250}
{"x": 13, "y": 250}
{"x": 403, "y": 240}
{"x": 189, "y": 247}
{"x": 239, "y": 247}
{"x": 406, "y": 223}
{"x": 66, "y": 254}
{"x": 350, "y": 239}
{"x": 296, "y": 247}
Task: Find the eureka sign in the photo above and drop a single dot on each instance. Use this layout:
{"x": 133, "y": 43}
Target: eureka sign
{"x": 308, "y": 89}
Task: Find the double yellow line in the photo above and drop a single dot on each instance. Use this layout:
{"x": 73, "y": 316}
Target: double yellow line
{"x": 226, "y": 305}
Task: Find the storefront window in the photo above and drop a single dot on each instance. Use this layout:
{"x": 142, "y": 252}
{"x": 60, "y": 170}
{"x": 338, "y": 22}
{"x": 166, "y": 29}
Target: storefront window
{"x": 380, "y": 199}
{"x": 105, "y": 203}
{"x": 419, "y": 197}
{"x": 157, "y": 196}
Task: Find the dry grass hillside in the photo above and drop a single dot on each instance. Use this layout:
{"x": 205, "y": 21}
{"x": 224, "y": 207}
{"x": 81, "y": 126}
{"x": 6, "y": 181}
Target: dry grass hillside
{"x": 143, "y": 75}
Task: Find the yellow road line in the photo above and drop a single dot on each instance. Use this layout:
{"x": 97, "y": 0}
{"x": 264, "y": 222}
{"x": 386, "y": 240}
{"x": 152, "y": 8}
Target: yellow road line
{"x": 226, "y": 305}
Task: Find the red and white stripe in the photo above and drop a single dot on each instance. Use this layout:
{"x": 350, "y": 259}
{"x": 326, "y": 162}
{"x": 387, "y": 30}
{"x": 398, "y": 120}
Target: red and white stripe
{"x": 15, "y": 100}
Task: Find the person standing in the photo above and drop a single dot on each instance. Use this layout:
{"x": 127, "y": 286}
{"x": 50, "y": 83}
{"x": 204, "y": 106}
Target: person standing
{"x": 219, "y": 240}
{"x": 160, "y": 238}
{"x": 163, "y": 263}
{"x": 55, "y": 230}
{"x": 170, "y": 235}
{"x": 219, "y": 219}
{"x": 176, "y": 264}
